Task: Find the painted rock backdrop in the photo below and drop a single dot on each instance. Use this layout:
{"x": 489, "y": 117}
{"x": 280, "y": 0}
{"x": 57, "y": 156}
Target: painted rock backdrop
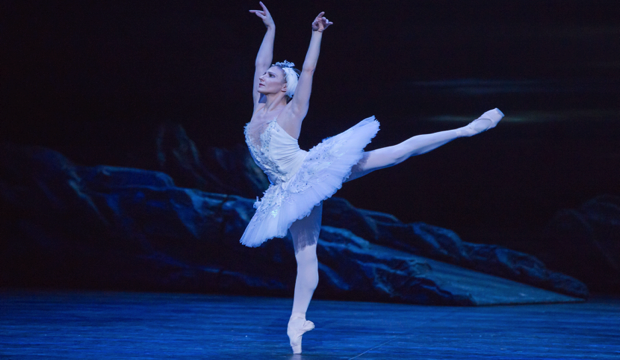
{"x": 66, "y": 225}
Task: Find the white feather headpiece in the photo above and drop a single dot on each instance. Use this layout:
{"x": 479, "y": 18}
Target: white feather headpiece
{"x": 290, "y": 76}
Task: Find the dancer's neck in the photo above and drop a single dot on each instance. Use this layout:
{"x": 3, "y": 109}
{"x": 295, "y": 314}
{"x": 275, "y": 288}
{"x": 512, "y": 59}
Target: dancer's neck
{"x": 274, "y": 101}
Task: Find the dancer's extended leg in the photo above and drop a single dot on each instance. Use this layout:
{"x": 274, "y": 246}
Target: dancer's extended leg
{"x": 420, "y": 144}
{"x": 305, "y": 234}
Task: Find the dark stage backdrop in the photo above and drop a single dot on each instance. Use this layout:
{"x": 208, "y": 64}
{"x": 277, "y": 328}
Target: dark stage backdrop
{"x": 93, "y": 79}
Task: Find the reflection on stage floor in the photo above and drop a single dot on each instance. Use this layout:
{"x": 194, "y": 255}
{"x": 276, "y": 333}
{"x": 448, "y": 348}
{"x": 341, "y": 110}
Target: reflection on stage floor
{"x": 125, "y": 325}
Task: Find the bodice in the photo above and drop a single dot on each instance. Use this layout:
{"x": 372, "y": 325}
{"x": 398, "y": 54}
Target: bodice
{"x": 275, "y": 151}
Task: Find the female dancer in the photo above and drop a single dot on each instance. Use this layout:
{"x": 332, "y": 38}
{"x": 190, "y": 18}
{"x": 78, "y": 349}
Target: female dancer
{"x": 301, "y": 180}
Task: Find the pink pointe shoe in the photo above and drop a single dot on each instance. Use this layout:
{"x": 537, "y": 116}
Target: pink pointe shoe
{"x": 297, "y": 326}
{"x": 486, "y": 121}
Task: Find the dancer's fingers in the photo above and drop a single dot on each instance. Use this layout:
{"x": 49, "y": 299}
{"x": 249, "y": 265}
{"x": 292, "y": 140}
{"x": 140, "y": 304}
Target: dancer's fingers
{"x": 258, "y": 13}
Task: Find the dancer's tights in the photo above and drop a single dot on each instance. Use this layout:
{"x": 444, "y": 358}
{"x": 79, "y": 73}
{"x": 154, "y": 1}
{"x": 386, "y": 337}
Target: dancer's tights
{"x": 395, "y": 154}
{"x": 305, "y": 234}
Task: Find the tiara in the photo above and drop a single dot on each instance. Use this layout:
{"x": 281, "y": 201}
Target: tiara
{"x": 285, "y": 64}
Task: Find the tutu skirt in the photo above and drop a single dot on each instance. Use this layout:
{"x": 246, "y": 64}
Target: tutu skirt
{"x": 321, "y": 174}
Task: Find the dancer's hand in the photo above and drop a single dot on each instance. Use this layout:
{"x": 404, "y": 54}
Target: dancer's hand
{"x": 321, "y": 23}
{"x": 265, "y": 15}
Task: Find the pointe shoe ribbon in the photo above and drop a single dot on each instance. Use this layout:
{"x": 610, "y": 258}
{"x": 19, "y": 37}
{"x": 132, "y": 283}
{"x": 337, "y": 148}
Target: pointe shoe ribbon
{"x": 486, "y": 121}
{"x": 296, "y": 328}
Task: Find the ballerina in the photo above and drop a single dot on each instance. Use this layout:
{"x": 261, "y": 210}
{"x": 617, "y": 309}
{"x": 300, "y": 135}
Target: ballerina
{"x": 301, "y": 180}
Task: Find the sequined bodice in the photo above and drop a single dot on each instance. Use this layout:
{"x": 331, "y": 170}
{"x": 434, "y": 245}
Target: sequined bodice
{"x": 275, "y": 151}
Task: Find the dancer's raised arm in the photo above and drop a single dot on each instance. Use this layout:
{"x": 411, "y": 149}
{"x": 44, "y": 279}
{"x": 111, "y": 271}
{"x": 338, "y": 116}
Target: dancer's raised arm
{"x": 301, "y": 100}
{"x": 265, "y": 53}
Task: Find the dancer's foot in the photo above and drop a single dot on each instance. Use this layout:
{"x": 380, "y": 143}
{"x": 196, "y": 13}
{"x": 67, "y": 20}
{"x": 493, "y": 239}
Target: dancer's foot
{"x": 485, "y": 122}
{"x": 297, "y": 326}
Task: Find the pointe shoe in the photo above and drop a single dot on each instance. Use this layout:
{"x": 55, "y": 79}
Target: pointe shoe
{"x": 486, "y": 121}
{"x": 297, "y": 326}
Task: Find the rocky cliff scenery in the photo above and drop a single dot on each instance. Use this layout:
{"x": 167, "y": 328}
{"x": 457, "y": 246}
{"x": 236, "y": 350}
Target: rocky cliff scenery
{"x": 105, "y": 227}
{"x": 585, "y": 242}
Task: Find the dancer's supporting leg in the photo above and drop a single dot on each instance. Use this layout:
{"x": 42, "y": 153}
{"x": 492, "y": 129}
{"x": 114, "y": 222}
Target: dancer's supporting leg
{"x": 420, "y": 144}
{"x": 305, "y": 234}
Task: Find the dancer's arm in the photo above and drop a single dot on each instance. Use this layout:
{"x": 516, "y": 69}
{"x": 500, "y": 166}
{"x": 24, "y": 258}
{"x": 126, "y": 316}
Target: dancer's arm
{"x": 265, "y": 53}
{"x": 301, "y": 100}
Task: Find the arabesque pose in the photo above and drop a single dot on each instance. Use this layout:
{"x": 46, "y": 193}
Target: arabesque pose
{"x": 301, "y": 180}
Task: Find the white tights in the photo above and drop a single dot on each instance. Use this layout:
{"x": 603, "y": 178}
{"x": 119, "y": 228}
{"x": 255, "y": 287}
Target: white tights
{"x": 305, "y": 232}
{"x": 305, "y": 236}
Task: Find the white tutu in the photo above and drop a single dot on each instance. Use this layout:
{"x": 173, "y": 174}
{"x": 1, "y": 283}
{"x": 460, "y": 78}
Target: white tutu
{"x": 320, "y": 175}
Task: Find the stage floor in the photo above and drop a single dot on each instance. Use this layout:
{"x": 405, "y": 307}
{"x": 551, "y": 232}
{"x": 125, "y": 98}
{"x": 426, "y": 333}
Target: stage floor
{"x": 125, "y": 325}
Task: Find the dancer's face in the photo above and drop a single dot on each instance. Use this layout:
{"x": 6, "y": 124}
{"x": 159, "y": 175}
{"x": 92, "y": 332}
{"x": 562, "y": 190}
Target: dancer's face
{"x": 272, "y": 81}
